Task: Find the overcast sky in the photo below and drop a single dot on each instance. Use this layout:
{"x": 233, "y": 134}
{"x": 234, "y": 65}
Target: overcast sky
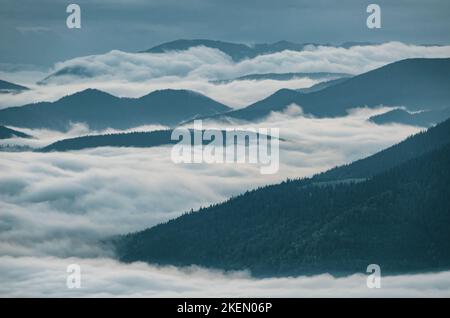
{"x": 35, "y": 32}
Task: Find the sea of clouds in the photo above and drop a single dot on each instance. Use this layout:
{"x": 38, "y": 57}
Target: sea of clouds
{"x": 59, "y": 203}
{"x": 136, "y": 74}
{"x": 104, "y": 277}
{"x": 55, "y": 207}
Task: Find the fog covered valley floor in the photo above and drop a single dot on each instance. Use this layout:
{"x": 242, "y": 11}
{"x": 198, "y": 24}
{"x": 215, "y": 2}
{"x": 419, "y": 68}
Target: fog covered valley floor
{"x": 59, "y": 207}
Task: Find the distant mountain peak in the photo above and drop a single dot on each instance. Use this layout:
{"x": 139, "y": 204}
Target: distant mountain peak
{"x": 90, "y": 93}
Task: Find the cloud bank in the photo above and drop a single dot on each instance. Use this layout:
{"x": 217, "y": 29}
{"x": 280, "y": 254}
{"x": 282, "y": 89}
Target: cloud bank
{"x": 55, "y": 207}
{"x": 60, "y": 203}
{"x": 137, "y": 74}
{"x": 212, "y": 64}
{"x": 46, "y": 277}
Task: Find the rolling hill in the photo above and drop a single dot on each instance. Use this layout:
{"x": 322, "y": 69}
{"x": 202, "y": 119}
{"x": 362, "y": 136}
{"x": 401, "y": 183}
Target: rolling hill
{"x": 101, "y": 110}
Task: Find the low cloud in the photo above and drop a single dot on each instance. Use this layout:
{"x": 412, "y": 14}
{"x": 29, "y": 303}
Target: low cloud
{"x": 137, "y": 74}
{"x": 54, "y": 207}
{"x": 206, "y": 63}
{"x": 60, "y": 203}
{"x": 46, "y": 277}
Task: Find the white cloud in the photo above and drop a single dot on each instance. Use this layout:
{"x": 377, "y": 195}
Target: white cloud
{"x": 46, "y": 277}
{"x": 136, "y": 74}
{"x": 59, "y": 203}
{"x": 206, "y": 63}
{"x": 54, "y": 207}
{"x": 44, "y": 137}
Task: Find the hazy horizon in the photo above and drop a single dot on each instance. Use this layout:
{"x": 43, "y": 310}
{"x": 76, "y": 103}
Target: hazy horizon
{"x": 38, "y": 35}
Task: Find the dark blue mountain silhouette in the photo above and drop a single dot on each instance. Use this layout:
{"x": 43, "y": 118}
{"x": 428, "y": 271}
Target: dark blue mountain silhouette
{"x": 412, "y": 147}
{"x": 426, "y": 118}
{"x": 101, "y": 110}
{"x": 418, "y": 84}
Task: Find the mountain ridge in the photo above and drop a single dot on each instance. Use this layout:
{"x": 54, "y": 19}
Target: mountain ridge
{"x": 417, "y": 84}
{"x": 101, "y": 110}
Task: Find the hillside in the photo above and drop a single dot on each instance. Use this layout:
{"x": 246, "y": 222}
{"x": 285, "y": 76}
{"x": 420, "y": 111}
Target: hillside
{"x": 412, "y": 147}
{"x": 398, "y": 219}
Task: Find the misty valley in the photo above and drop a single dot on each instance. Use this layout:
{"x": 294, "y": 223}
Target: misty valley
{"x": 156, "y": 159}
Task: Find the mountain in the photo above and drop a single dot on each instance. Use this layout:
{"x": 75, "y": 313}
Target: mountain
{"x": 134, "y": 139}
{"x": 285, "y": 77}
{"x": 417, "y": 84}
{"x": 412, "y": 147}
{"x": 6, "y": 133}
{"x": 425, "y": 118}
{"x": 8, "y": 87}
{"x": 101, "y": 110}
{"x": 235, "y": 51}
{"x": 398, "y": 219}
{"x": 238, "y": 51}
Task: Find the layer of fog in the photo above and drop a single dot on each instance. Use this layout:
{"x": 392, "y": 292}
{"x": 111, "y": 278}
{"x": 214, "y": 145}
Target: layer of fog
{"x": 134, "y": 75}
{"x": 60, "y": 203}
{"x": 46, "y": 277}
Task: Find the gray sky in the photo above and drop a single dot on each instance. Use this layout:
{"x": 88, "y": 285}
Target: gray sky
{"x": 35, "y": 32}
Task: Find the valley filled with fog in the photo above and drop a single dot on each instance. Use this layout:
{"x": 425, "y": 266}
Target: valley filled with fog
{"x": 57, "y": 207}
